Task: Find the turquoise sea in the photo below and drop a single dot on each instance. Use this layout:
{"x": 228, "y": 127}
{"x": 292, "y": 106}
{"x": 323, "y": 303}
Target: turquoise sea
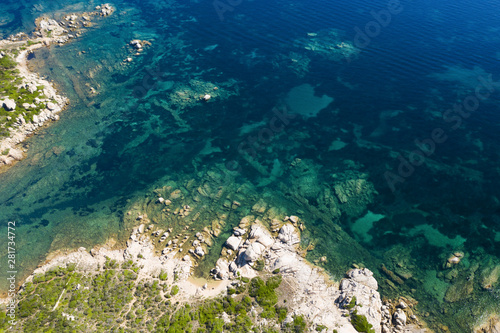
{"x": 376, "y": 122}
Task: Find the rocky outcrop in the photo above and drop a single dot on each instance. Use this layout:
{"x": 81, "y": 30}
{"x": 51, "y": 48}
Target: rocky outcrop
{"x": 361, "y": 286}
{"x": 490, "y": 325}
{"x": 48, "y": 31}
{"x": 310, "y": 293}
{"x": 105, "y": 10}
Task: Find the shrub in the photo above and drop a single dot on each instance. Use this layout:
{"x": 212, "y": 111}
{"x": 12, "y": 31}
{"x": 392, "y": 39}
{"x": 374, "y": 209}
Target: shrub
{"x": 163, "y": 275}
{"x": 298, "y": 325}
{"x": 361, "y": 324}
{"x": 351, "y": 304}
{"x": 175, "y": 290}
{"x": 281, "y": 312}
{"x": 264, "y": 292}
{"x": 259, "y": 265}
{"x": 320, "y": 328}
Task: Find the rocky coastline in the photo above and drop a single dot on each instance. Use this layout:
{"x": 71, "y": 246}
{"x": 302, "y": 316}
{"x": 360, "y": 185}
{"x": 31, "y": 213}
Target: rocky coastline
{"x": 253, "y": 251}
{"x": 49, "y": 102}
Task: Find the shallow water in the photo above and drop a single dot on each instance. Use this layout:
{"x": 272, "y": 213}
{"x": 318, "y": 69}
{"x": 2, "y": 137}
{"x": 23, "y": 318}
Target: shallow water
{"x": 147, "y": 126}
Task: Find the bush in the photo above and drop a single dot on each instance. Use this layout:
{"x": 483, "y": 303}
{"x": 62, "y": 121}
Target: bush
{"x": 163, "y": 275}
{"x": 361, "y": 324}
{"x": 175, "y": 290}
{"x": 298, "y": 325}
{"x": 320, "y": 328}
{"x": 259, "y": 265}
{"x": 264, "y": 292}
{"x": 110, "y": 263}
{"x": 6, "y": 62}
{"x": 281, "y": 312}
{"x": 351, "y": 304}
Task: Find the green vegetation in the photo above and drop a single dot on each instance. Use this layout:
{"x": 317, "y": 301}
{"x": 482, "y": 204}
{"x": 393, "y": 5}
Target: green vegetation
{"x": 9, "y": 88}
{"x": 175, "y": 290}
{"x": 259, "y": 265}
{"x": 114, "y": 300}
{"x": 361, "y": 324}
{"x": 163, "y": 276}
{"x": 351, "y": 304}
{"x": 298, "y": 325}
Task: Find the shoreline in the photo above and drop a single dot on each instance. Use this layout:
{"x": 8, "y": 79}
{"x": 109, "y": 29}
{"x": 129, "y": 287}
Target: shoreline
{"x": 48, "y": 32}
{"x": 307, "y": 290}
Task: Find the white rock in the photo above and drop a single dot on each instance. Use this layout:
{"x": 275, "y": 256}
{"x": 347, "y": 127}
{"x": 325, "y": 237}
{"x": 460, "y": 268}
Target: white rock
{"x": 136, "y": 44}
{"x": 51, "y": 106}
{"x": 233, "y": 267}
{"x": 9, "y": 104}
{"x": 261, "y": 235}
{"x": 199, "y": 251}
{"x": 363, "y": 276}
{"x": 206, "y": 97}
{"x": 16, "y": 154}
{"x": 399, "y": 317}
{"x": 233, "y": 242}
{"x": 141, "y": 229}
{"x": 253, "y": 252}
{"x": 289, "y": 235}
{"x": 239, "y": 232}
{"x": 31, "y": 87}
{"x": 361, "y": 284}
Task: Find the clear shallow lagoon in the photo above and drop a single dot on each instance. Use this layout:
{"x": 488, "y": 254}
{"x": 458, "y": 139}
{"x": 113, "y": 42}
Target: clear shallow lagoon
{"x": 365, "y": 104}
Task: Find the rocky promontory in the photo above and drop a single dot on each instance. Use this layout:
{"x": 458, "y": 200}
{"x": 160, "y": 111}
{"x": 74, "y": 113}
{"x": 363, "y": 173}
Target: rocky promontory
{"x": 28, "y": 101}
{"x": 303, "y": 297}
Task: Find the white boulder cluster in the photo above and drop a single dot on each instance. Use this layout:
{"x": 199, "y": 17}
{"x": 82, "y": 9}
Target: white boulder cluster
{"x": 136, "y": 44}
{"x": 105, "y": 10}
{"x": 312, "y": 293}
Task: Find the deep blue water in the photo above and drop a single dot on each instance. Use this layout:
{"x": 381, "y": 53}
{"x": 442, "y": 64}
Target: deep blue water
{"x": 119, "y": 145}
